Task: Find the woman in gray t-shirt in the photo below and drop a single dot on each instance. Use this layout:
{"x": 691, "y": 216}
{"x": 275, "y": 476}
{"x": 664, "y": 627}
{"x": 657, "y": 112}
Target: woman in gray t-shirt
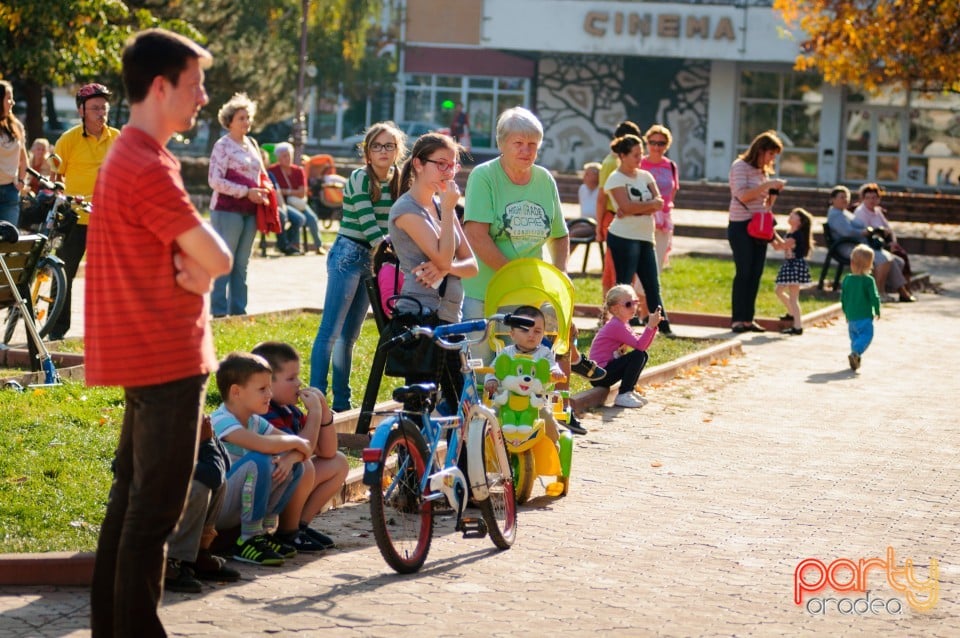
{"x": 434, "y": 253}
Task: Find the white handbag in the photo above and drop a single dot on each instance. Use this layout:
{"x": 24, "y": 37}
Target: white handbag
{"x": 296, "y": 202}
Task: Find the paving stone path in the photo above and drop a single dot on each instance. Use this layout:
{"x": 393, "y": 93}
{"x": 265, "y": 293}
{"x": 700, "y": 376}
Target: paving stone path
{"x": 687, "y": 517}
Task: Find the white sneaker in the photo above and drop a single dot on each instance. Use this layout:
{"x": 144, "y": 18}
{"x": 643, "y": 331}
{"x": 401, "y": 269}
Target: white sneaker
{"x": 629, "y": 400}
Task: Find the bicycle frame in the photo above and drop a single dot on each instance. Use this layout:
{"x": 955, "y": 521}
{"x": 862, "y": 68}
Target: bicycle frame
{"x": 403, "y": 468}
{"x": 447, "y": 480}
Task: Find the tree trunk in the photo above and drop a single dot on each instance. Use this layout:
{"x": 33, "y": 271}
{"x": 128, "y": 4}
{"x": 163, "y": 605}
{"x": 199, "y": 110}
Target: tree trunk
{"x": 33, "y": 91}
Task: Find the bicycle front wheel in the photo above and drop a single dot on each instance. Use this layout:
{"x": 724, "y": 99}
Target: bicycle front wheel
{"x": 500, "y": 509}
{"x": 402, "y": 520}
{"x": 49, "y": 295}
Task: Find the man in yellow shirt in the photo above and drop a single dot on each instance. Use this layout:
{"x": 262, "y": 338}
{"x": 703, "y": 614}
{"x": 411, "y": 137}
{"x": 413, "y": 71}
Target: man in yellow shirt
{"x": 82, "y": 150}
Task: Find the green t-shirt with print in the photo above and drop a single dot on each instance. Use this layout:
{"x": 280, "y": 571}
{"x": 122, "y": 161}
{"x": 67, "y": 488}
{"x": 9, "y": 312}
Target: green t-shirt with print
{"x": 522, "y": 217}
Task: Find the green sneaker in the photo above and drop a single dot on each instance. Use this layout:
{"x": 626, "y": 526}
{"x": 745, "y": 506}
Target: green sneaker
{"x": 257, "y": 550}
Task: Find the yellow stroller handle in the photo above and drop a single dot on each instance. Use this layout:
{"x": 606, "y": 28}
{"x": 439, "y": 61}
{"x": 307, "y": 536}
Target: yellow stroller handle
{"x": 533, "y": 282}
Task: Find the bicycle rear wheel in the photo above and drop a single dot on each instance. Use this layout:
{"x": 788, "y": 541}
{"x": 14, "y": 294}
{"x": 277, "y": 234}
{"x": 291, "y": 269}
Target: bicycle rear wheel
{"x": 402, "y": 520}
{"x": 10, "y": 323}
{"x": 524, "y": 475}
{"x": 500, "y": 509}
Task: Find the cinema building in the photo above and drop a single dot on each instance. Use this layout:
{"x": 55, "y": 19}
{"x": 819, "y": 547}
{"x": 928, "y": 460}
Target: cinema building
{"x": 715, "y": 73}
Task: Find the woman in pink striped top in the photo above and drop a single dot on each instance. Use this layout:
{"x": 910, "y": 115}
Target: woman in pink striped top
{"x": 751, "y": 191}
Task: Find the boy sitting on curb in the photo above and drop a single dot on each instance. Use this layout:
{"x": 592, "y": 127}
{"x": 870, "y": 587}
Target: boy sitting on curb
{"x": 326, "y": 472}
{"x": 265, "y": 463}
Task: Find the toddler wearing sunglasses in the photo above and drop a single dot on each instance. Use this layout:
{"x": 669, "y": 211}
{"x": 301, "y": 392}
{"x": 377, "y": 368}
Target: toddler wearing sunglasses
{"x": 620, "y": 351}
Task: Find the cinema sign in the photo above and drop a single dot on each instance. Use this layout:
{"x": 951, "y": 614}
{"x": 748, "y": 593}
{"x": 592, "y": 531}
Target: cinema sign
{"x": 714, "y": 32}
{"x": 665, "y": 25}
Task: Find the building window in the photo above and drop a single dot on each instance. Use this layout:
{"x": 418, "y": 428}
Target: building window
{"x": 933, "y": 140}
{"x": 432, "y": 98}
{"x": 903, "y": 138}
{"x": 789, "y": 103}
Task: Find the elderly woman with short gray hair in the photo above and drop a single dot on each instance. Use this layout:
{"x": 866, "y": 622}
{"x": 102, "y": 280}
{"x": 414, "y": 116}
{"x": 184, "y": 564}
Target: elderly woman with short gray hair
{"x": 234, "y": 176}
{"x": 292, "y": 182}
{"x": 512, "y": 207}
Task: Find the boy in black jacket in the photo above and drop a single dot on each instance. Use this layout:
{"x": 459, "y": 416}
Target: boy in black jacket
{"x": 188, "y": 555}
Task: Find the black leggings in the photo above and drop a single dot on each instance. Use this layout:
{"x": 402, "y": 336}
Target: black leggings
{"x": 625, "y": 369}
{"x": 749, "y": 258}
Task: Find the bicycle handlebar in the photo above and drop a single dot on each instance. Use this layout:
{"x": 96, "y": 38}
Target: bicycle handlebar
{"x": 45, "y": 181}
{"x": 462, "y": 328}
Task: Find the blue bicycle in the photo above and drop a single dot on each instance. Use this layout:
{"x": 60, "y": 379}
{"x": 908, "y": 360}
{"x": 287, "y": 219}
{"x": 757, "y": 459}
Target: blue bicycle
{"x": 403, "y": 465}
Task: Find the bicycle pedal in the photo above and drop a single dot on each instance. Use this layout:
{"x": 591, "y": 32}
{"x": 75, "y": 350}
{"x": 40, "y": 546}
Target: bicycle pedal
{"x": 473, "y": 527}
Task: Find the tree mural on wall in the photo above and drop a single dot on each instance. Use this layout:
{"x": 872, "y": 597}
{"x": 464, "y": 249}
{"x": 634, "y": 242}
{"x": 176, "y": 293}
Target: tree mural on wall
{"x": 677, "y": 97}
{"x": 581, "y": 99}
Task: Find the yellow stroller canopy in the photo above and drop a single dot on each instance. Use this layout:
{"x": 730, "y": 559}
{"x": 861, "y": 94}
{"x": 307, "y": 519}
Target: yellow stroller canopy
{"x": 532, "y": 282}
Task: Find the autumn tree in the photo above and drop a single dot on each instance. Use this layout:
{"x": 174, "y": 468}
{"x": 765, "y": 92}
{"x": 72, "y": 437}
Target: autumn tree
{"x": 255, "y": 45}
{"x": 347, "y": 43}
{"x": 873, "y": 43}
{"x": 57, "y": 42}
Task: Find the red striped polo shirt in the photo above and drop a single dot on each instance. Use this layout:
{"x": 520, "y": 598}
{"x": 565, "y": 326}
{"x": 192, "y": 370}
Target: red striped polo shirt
{"x": 141, "y": 328}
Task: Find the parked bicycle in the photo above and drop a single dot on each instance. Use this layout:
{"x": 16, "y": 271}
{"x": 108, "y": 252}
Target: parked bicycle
{"x": 52, "y": 213}
{"x": 408, "y": 472}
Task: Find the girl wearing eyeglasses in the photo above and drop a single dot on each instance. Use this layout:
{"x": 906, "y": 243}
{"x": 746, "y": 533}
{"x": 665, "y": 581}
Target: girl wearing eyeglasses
{"x": 433, "y": 251}
{"x": 619, "y": 350}
{"x": 367, "y": 197}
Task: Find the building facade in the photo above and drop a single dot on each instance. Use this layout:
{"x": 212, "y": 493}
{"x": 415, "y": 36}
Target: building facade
{"x": 715, "y": 73}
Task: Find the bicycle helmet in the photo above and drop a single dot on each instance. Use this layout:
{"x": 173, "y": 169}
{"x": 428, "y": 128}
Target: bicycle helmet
{"x": 88, "y": 91}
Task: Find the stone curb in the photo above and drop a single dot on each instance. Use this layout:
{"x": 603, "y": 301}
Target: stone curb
{"x": 597, "y": 397}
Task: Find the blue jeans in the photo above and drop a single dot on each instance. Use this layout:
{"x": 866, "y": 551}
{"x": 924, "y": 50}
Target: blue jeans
{"x": 291, "y": 236}
{"x": 344, "y": 309}
{"x": 229, "y": 296}
{"x": 637, "y": 257}
{"x": 153, "y": 467}
{"x": 749, "y": 258}
{"x": 252, "y": 494}
{"x": 861, "y": 334}
{"x": 312, "y": 223}
{"x": 9, "y": 204}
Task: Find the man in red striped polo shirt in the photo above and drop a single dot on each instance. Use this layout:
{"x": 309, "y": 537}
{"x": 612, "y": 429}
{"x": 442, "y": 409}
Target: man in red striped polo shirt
{"x": 151, "y": 260}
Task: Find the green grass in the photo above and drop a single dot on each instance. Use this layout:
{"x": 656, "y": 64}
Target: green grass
{"x": 56, "y": 444}
{"x": 703, "y": 284}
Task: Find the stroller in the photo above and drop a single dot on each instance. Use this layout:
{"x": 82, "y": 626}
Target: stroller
{"x": 324, "y": 189}
{"x": 535, "y": 283}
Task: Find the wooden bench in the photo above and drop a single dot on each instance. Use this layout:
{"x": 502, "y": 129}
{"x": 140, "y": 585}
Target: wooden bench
{"x": 834, "y": 255}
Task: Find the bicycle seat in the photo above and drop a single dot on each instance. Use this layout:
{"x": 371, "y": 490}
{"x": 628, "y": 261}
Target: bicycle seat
{"x": 417, "y": 393}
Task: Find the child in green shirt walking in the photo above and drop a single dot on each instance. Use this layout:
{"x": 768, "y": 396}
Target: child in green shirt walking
{"x": 861, "y": 302}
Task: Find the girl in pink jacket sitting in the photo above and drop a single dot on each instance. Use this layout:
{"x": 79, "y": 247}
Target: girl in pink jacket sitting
{"x": 619, "y": 350}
